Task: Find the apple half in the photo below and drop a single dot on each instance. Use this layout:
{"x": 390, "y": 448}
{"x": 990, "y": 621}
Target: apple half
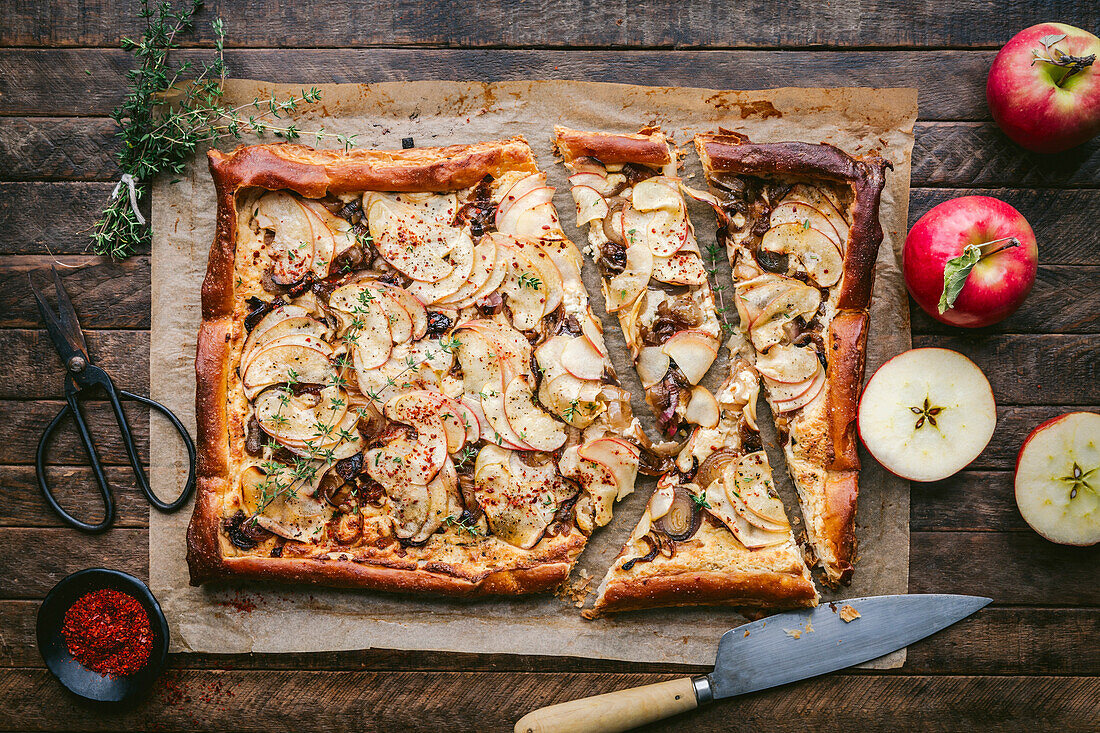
{"x": 1058, "y": 479}
{"x": 927, "y": 413}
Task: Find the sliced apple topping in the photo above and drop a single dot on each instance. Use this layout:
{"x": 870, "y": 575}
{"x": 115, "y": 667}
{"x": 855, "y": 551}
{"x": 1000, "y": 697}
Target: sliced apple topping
{"x": 617, "y": 456}
{"x": 788, "y": 364}
{"x": 819, "y": 254}
{"x": 285, "y": 503}
{"x": 460, "y": 258}
{"x": 582, "y": 360}
{"x": 800, "y": 397}
{"x": 519, "y": 499}
{"x": 652, "y": 365}
{"x": 484, "y": 261}
{"x": 683, "y": 268}
{"x": 332, "y": 235}
{"x": 513, "y": 187}
{"x": 595, "y": 479}
{"x": 410, "y": 243}
{"x": 305, "y": 418}
{"x": 535, "y": 427}
{"x": 702, "y": 409}
{"x": 597, "y": 181}
{"x": 510, "y": 214}
{"x": 622, "y": 289}
{"x": 824, "y": 201}
{"x": 591, "y": 206}
{"x": 806, "y": 216}
{"x": 726, "y": 503}
{"x": 532, "y": 284}
{"x": 576, "y": 401}
{"x": 693, "y": 352}
{"x": 792, "y": 298}
{"x": 658, "y": 192}
{"x": 435, "y": 208}
{"x": 500, "y": 429}
{"x": 418, "y": 314}
{"x": 278, "y": 363}
{"x": 293, "y": 241}
{"x": 410, "y": 460}
{"x": 365, "y": 324}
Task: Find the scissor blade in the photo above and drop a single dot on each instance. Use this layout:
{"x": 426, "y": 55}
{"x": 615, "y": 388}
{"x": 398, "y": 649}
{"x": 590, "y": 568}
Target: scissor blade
{"x": 65, "y": 348}
{"x": 69, "y": 321}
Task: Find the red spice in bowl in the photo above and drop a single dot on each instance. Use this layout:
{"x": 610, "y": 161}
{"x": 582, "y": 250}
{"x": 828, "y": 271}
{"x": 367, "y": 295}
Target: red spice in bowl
{"x": 108, "y": 632}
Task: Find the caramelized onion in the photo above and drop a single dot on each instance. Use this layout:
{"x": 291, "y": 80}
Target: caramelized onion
{"x": 682, "y": 520}
{"x": 712, "y": 468}
{"x": 654, "y": 548}
{"x": 773, "y": 261}
{"x": 609, "y": 229}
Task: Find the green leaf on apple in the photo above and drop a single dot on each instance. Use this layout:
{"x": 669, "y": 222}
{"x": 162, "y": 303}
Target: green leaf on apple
{"x": 1050, "y": 40}
{"x": 957, "y": 269}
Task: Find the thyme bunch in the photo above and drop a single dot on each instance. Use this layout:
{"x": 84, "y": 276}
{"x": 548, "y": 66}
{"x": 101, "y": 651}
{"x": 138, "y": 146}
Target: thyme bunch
{"x": 170, "y": 110}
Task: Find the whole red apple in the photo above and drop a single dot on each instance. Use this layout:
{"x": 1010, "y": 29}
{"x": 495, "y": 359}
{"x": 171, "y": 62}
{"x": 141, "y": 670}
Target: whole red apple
{"x": 989, "y": 251}
{"x": 1044, "y": 87}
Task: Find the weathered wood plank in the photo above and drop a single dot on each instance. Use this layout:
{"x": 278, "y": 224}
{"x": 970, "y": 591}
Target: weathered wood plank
{"x": 433, "y": 701}
{"x": 1064, "y": 220}
{"x": 979, "y": 154}
{"x": 1014, "y": 424}
{"x": 34, "y": 370}
{"x": 1013, "y": 568}
{"x": 1009, "y": 567}
{"x": 1008, "y": 640}
{"x": 25, "y": 421}
{"x": 22, "y": 505}
{"x": 49, "y": 218}
{"x": 35, "y": 559}
{"x": 91, "y": 81}
{"x": 946, "y": 154}
{"x": 106, "y": 294}
{"x": 1041, "y": 369}
{"x": 1063, "y": 300}
{"x": 973, "y": 501}
{"x": 568, "y": 24}
{"x": 53, "y": 217}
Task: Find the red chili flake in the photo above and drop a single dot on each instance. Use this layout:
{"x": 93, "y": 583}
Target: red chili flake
{"x": 108, "y": 632}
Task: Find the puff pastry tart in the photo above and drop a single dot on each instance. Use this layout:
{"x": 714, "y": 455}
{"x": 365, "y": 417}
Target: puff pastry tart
{"x": 626, "y": 191}
{"x": 401, "y": 385}
{"x": 801, "y": 227}
{"x": 714, "y": 532}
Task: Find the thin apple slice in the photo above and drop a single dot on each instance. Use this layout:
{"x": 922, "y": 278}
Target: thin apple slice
{"x": 582, "y": 360}
{"x": 451, "y": 414}
{"x": 470, "y": 421}
{"x": 805, "y": 216}
{"x": 652, "y": 365}
{"x": 667, "y": 232}
{"x": 501, "y": 261}
{"x": 400, "y": 320}
{"x": 406, "y": 241}
{"x": 517, "y": 191}
{"x": 927, "y": 413}
{"x": 411, "y": 503}
{"x": 819, "y": 255}
{"x": 702, "y": 409}
{"x": 536, "y": 428}
{"x": 278, "y": 364}
{"x": 440, "y": 504}
{"x": 621, "y": 290}
{"x": 717, "y": 496}
{"x": 619, "y": 457}
{"x": 275, "y": 315}
{"x": 1058, "y": 479}
{"x": 435, "y": 208}
{"x": 460, "y": 258}
{"x": 548, "y": 355}
{"x": 595, "y": 479}
{"x": 507, "y": 222}
{"x": 484, "y": 259}
{"x": 292, "y": 245}
{"x": 591, "y": 206}
{"x": 573, "y": 400}
{"x": 526, "y": 286}
{"x": 693, "y": 352}
{"x": 682, "y": 268}
{"x": 788, "y": 364}
{"x": 415, "y": 461}
{"x": 514, "y": 496}
{"x": 538, "y": 222}
{"x": 787, "y": 391}
{"x": 306, "y": 418}
{"x": 368, "y": 324}
{"x": 412, "y": 306}
{"x": 797, "y": 299}
{"x": 826, "y": 204}
{"x": 754, "y": 295}
{"x": 595, "y": 181}
{"x": 307, "y": 338}
{"x": 324, "y": 238}
{"x": 511, "y": 346}
{"x": 752, "y": 480}
{"x": 656, "y": 193}
{"x": 816, "y": 387}
{"x": 593, "y": 332}
{"x": 500, "y": 430}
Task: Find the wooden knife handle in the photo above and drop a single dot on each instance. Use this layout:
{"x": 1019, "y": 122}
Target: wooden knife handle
{"x": 614, "y": 711}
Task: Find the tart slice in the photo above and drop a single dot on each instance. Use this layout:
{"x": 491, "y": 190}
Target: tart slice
{"x": 714, "y": 531}
{"x": 654, "y": 280}
{"x": 800, "y": 225}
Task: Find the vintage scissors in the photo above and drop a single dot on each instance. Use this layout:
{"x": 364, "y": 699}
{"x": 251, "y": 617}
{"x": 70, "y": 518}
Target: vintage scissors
{"x": 82, "y": 376}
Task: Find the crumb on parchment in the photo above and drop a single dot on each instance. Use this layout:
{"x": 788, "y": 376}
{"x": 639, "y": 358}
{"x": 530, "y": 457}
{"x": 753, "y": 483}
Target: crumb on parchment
{"x": 793, "y": 633}
{"x": 849, "y": 614}
{"x": 576, "y": 590}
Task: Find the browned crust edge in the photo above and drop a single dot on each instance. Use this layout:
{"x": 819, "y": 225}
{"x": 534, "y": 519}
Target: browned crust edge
{"x": 707, "y": 588}
{"x": 649, "y": 147}
{"x": 314, "y": 173}
{"x": 848, "y": 330}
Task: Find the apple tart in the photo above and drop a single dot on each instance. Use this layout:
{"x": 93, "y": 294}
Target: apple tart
{"x": 654, "y": 280}
{"x": 714, "y": 532}
{"x": 400, "y": 383}
{"x": 800, "y": 225}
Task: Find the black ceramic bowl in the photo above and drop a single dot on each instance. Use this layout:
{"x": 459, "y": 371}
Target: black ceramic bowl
{"x": 79, "y": 679}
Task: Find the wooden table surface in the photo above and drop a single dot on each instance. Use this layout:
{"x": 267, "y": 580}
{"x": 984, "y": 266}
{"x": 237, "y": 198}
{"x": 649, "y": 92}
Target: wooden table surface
{"x": 1030, "y": 661}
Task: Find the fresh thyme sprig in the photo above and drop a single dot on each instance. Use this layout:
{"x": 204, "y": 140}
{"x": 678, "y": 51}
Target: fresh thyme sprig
{"x": 712, "y": 270}
{"x": 170, "y": 111}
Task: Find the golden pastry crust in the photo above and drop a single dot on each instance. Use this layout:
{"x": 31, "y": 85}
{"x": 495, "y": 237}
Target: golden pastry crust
{"x": 312, "y": 174}
{"x": 648, "y": 147}
{"x": 826, "y": 436}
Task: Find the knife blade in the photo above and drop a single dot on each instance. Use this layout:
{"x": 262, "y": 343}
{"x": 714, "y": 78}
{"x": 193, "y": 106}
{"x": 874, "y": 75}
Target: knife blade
{"x": 779, "y": 649}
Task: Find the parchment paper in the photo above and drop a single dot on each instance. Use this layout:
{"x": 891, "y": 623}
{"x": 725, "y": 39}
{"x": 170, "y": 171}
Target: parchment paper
{"x": 246, "y": 618}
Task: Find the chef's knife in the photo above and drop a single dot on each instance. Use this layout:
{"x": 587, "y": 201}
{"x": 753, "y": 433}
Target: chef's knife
{"x": 773, "y": 651}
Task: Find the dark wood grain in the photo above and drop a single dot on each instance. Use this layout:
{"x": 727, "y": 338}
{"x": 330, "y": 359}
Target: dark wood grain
{"x": 34, "y": 370}
{"x": 25, "y": 421}
{"x": 565, "y": 24}
{"x": 106, "y": 294}
{"x": 57, "y": 148}
{"x": 461, "y": 701}
{"x": 49, "y": 218}
{"x": 35, "y": 559}
{"x": 973, "y": 500}
{"x": 22, "y": 504}
{"x": 54, "y": 82}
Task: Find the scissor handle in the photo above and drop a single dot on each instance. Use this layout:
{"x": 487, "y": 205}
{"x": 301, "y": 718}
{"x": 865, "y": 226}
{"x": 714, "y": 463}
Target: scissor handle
{"x": 96, "y": 376}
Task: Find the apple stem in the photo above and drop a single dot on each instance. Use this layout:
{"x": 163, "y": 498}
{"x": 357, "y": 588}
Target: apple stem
{"x": 988, "y": 249}
{"x": 1057, "y": 57}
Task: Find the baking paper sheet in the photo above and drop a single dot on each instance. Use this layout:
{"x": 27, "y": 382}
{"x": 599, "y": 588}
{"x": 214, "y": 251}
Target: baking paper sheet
{"x": 249, "y": 618}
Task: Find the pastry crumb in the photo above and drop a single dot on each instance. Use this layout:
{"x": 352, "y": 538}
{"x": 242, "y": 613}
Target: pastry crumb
{"x": 793, "y": 633}
{"x": 746, "y": 634}
{"x": 809, "y": 627}
{"x": 575, "y": 590}
{"x": 849, "y": 614}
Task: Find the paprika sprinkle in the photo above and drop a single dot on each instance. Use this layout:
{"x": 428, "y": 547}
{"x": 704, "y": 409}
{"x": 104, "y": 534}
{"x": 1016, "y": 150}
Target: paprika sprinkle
{"x": 108, "y": 632}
